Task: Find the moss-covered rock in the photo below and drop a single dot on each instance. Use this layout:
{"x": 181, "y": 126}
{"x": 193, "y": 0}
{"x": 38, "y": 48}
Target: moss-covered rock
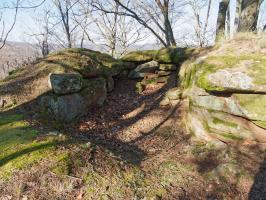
{"x": 250, "y": 106}
{"x": 219, "y": 126}
{"x": 140, "y": 56}
{"x": 87, "y": 62}
{"x": 141, "y": 70}
{"x": 233, "y": 74}
{"x": 65, "y": 83}
{"x": 68, "y": 108}
{"x": 223, "y": 87}
{"x": 170, "y": 55}
{"x": 168, "y": 67}
{"x": 164, "y": 55}
{"x": 29, "y": 83}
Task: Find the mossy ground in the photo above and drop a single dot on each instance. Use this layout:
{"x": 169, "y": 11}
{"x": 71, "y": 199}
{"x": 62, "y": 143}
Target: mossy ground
{"x": 20, "y": 145}
{"x": 170, "y": 165}
{"x": 23, "y": 148}
{"x": 41, "y": 166}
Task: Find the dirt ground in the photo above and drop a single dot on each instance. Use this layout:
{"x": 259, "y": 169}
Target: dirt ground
{"x": 132, "y": 148}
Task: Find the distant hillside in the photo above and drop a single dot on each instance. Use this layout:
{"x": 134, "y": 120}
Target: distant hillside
{"x": 14, "y": 55}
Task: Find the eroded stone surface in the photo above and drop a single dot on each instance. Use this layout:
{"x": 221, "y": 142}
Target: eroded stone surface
{"x": 65, "y": 83}
{"x": 231, "y": 80}
{"x": 67, "y": 108}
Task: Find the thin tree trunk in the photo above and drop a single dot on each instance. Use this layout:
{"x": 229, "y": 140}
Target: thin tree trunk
{"x": 207, "y": 17}
{"x": 220, "y": 30}
{"x": 237, "y": 17}
{"x": 168, "y": 31}
{"x": 227, "y": 23}
{"x": 248, "y": 15}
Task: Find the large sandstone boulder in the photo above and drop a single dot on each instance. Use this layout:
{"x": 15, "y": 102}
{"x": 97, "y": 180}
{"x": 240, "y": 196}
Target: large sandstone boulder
{"x": 65, "y": 83}
{"x": 250, "y": 106}
{"x": 67, "y": 108}
{"x": 213, "y": 125}
{"x": 233, "y": 74}
{"x": 227, "y": 97}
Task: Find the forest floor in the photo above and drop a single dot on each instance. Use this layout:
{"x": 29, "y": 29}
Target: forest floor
{"x": 131, "y": 148}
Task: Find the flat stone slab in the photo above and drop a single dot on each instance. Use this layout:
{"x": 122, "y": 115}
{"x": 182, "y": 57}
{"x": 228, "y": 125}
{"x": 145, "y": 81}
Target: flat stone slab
{"x": 167, "y": 67}
{"x": 249, "y": 106}
{"x": 242, "y": 76}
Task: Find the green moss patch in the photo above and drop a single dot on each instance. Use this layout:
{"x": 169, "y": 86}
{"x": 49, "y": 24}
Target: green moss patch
{"x": 86, "y": 61}
{"x": 254, "y": 67}
{"x": 261, "y": 124}
{"x": 164, "y": 55}
{"x": 222, "y": 122}
{"x": 253, "y": 104}
{"x": 140, "y": 56}
{"x": 20, "y": 146}
{"x": 170, "y": 55}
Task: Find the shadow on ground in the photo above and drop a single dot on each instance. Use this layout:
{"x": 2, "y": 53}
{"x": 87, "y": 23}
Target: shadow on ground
{"x": 107, "y": 120}
{"x": 258, "y": 189}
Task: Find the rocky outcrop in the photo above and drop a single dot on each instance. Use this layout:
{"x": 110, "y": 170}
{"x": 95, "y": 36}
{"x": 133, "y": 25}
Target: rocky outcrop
{"x": 65, "y": 83}
{"x": 27, "y": 84}
{"x": 69, "y": 107}
{"x": 141, "y": 70}
{"x": 154, "y": 67}
{"x": 227, "y": 98}
{"x": 172, "y": 97}
{"x": 168, "y": 67}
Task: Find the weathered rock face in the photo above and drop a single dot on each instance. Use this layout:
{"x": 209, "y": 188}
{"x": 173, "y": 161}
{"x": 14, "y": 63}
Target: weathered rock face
{"x": 65, "y": 83}
{"x": 227, "y": 98}
{"x": 142, "y": 69}
{"x": 250, "y": 106}
{"x": 168, "y": 67}
{"x": 174, "y": 94}
{"x": 27, "y": 84}
{"x": 110, "y": 84}
{"x": 70, "y": 107}
{"x": 245, "y": 75}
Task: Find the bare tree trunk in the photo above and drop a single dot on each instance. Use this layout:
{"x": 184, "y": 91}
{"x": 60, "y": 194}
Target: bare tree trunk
{"x": 227, "y": 23}
{"x": 168, "y": 31}
{"x": 238, "y": 12}
{"x": 82, "y": 39}
{"x": 64, "y": 7}
{"x": 207, "y": 17}
{"x": 248, "y": 15}
{"x": 165, "y": 34}
{"x": 220, "y": 30}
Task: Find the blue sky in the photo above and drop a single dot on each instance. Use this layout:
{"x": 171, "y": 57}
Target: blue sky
{"x": 26, "y": 23}
{"x": 25, "y": 20}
